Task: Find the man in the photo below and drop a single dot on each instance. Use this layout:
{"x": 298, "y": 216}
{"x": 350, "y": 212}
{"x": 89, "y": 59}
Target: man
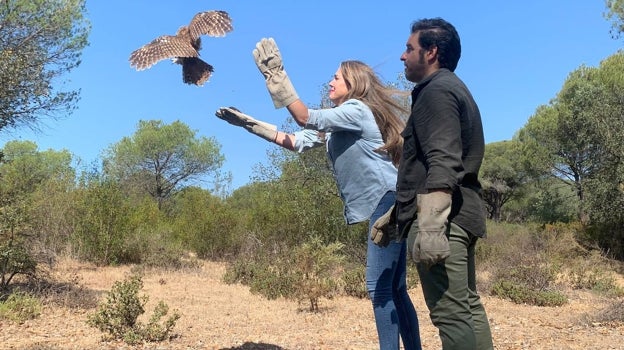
{"x": 439, "y": 206}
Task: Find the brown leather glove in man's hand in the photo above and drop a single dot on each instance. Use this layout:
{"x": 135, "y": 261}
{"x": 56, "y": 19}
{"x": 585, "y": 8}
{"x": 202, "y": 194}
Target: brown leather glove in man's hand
{"x": 431, "y": 245}
{"x": 385, "y": 228}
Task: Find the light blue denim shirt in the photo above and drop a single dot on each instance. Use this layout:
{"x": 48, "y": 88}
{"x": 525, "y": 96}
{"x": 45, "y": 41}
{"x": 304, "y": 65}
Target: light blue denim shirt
{"x": 363, "y": 175}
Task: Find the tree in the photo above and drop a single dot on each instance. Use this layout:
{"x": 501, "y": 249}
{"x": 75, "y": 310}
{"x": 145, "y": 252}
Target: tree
{"x": 40, "y": 41}
{"x": 559, "y": 140}
{"x": 25, "y": 168}
{"x": 605, "y": 187}
{"x": 23, "y": 172}
{"x": 160, "y": 158}
{"x": 615, "y": 15}
{"x": 501, "y": 175}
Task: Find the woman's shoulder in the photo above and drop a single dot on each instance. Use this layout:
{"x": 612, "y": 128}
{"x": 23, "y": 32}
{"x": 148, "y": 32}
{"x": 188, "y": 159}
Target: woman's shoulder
{"x": 354, "y": 102}
{"x": 356, "y": 105}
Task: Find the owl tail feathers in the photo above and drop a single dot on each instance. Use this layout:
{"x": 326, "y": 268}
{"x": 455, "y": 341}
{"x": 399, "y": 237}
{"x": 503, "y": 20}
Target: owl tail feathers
{"x": 195, "y": 71}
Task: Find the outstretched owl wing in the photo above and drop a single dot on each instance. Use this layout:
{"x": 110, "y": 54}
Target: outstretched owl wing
{"x": 211, "y": 23}
{"x": 163, "y": 47}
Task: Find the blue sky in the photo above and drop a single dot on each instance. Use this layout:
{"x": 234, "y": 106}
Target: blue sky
{"x": 515, "y": 56}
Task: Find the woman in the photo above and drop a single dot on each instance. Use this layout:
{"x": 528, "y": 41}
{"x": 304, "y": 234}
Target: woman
{"x": 361, "y": 132}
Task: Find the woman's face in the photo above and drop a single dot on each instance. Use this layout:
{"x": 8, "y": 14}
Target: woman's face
{"x": 338, "y": 89}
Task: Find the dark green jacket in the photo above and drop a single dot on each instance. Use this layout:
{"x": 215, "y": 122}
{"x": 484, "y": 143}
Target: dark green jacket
{"x": 443, "y": 149}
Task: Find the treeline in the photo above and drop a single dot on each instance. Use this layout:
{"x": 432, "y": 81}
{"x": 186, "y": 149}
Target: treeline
{"x": 566, "y": 163}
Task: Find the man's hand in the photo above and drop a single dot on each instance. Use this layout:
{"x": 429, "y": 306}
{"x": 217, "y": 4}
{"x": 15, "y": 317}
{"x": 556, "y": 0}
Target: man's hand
{"x": 431, "y": 245}
{"x": 235, "y": 117}
{"x": 385, "y": 228}
{"x": 269, "y": 61}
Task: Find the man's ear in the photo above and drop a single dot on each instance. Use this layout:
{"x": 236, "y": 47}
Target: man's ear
{"x": 431, "y": 54}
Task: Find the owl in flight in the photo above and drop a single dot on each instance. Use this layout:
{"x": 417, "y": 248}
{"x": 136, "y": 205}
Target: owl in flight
{"x": 183, "y": 48}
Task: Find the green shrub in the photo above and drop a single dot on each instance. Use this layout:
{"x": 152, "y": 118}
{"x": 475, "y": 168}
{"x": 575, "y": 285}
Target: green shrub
{"x": 521, "y": 294}
{"x": 118, "y": 315}
{"x": 592, "y": 272}
{"x": 317, "y": 271}
{"x": 263, "y": 271}
{"x": 20, "y": 307}
{"x": 14, "y": 260}
{"x": 354, "y": 281}
{"x": 524, "y": 263}
{"x": 101, "y": 223}
{"x": 308, "y": 272}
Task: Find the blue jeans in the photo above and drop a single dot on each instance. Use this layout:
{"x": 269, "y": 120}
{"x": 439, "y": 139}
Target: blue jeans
{"x": 387, "y": 287}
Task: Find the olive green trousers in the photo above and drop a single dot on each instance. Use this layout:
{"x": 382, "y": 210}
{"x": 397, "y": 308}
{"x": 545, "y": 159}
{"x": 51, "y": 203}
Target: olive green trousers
{"x": 451, "y": 295}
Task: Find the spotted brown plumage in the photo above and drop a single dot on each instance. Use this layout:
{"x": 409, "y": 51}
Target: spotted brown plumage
{"x": 183, "y": 47}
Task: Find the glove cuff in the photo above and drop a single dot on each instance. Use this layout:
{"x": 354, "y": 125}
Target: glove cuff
{"x": 281, "y": 89}
{"x": 266, "y": 133}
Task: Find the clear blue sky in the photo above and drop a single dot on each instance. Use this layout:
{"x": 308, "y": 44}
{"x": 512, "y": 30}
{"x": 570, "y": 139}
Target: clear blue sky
{"x": 515, "y": 57}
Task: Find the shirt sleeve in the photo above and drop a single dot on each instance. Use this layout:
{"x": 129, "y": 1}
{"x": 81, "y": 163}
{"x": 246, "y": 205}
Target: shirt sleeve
{"x": 346, "y": 117}
{"x": 307, "y": 139}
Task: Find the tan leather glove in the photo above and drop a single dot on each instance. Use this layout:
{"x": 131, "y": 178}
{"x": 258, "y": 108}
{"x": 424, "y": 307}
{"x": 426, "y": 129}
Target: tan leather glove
{"x": 269, "y": 61}
{"x": 235, "y": 117}
{"x": 385, "y": 228}
{"x": 431, "y": 244}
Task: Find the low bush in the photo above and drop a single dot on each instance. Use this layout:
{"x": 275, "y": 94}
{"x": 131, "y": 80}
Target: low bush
{"x": 308, "y": 272}
{"x": 118, "y": 315}
{"x": 20, "y": 307}
{"x": 521, "y": 294}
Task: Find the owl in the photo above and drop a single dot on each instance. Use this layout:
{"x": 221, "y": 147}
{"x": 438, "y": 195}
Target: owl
{"x": 183, "y": 48}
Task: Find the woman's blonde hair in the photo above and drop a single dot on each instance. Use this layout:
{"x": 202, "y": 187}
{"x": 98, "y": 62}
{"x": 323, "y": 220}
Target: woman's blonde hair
{"x": 364, "y": 85}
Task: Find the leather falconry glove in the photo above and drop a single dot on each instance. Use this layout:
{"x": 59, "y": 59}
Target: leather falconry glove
{"x": 431, "y": 245}
{"x": 269, "y": 61}
{"x": 235, "y": 117}
{"x": 385, "y": 228}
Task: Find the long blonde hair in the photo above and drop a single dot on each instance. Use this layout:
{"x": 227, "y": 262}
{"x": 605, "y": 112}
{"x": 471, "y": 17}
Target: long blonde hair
{"x": 364, "y": 85}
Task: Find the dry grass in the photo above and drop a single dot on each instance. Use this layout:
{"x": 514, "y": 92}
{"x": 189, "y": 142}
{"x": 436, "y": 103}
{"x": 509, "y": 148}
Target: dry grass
{"x": 228, "y": 317}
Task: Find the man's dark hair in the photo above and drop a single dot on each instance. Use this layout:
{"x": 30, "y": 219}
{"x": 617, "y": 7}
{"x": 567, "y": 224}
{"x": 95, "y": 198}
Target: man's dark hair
{"x": 441, "y": 34}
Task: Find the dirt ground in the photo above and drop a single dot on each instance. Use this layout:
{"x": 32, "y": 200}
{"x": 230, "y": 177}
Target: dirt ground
{"x": 228, "y": 317}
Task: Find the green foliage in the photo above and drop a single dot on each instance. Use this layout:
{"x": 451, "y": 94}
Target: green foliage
{"x": 536, "y": 265}
{"x": 14, "y": 260}
{"x": 529, "y": 269}
{"x": 25, "y": 169}
{"x": 20, "y": 307}
{"x": 122, "y": 308}
{"x": 557, "y": 140}
{"x": 501, "y": 176}
{"x": 205, "y": 224}
{"x": 307, "y": 272}
{"x": 523, "y": 262}
{"x": 550, "y": 201}
{"x": 590, "y": 273}
{"x": 318, "y": 272}
{"x": 160, "y": 158}
{"x": 40, "y": 41}
{"x": 615, "y": 15}
{"x": 354, "y": 281}
{"x": 266, "y": 272}
{"x": 24, "y": 172}
{"x": 576, "y": 140}
{"x": 521, "y": 294}
{"x": 604, "y": 202}
{"x": 34, "y": 188}
{"x": 101, "y": 221}
{"x": 542, "y": 201}
{"x": 118, "y": 315}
